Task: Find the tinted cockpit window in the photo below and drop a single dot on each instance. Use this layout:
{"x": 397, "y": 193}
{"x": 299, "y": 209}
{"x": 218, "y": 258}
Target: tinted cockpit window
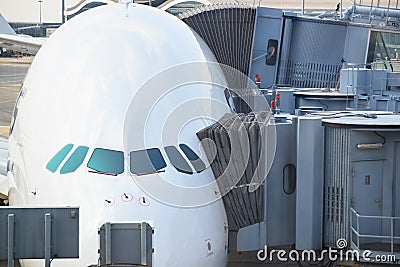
{"x": 55, "y": 162}
{"x": 146, "y": 161}
{"x": 177, "y": 160}
{"x": 75, "y": 160}
{"x": 197, "y": 163}
{"x": 107, "y": 161}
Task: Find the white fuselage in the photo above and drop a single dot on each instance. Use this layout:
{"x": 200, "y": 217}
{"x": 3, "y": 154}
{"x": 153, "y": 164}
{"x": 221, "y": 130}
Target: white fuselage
{"x": 77, "y": 92}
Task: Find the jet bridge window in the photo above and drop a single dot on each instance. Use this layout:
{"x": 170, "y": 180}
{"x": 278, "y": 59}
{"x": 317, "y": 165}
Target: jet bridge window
{"x": 197, "y": 163}
{"x": 177, "y": 160}
{"x": 146, "y": 161}
{"x": 384, "y": 46}
{"x": 105, "y": 161}
{"x": 272, "y": 49}
{"x": 289, "y": 179}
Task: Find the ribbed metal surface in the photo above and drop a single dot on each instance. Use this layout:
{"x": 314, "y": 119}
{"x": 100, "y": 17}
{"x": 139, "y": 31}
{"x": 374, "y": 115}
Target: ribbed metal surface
{"x": 228, "y": 31}
{"x": 243, "y": 207}
{"x": 337, "y": 185}
{"x": 314, "y": 56}
{"x": 308, "y": 75}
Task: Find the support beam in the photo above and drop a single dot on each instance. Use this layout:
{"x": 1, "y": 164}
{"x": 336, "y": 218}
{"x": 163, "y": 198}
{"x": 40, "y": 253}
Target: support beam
{"x": 47, "y": 239}
{"x": 143, "y": 244}
{"x": 10, "y": 243}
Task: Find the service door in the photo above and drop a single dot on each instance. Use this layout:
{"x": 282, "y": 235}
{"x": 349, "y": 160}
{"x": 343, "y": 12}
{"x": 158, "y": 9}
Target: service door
{"x": 367, "y": 196}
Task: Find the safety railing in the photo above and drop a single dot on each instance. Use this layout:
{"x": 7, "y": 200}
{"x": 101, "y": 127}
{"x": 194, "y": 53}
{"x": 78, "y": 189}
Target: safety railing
{"x": 373, "y": 79}
{"x": 357, "y": 220}
{"x": 374, "y": 8}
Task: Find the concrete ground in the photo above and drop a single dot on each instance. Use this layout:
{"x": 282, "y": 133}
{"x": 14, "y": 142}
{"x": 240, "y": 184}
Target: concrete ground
{"x": 12, "y": 73}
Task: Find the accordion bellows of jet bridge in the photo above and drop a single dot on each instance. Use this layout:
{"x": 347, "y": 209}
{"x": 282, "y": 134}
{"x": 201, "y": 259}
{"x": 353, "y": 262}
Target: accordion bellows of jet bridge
{"x": 240, "y": 140}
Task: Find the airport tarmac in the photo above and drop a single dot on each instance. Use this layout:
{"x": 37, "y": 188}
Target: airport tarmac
{"x": 12, "y": 73}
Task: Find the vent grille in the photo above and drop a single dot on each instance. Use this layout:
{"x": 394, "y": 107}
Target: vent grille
{"x": 337, "y": 185}
{"x": 308, "y": 75}
{"x": 315, "y": 54}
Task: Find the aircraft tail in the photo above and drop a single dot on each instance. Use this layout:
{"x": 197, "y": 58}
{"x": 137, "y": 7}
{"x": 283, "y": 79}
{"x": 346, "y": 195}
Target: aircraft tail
{"x": 5, "y": 28}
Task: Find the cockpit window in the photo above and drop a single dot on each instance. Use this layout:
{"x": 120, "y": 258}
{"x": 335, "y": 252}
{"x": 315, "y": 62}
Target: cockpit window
{"x": 146, "y": 161}
{"x": 106, "y": 161}
{"x": 177, "y": 160}
{"x": 75, "y": 160}
{"x": 55, "y": 162}
{"x": 197, "y": 163}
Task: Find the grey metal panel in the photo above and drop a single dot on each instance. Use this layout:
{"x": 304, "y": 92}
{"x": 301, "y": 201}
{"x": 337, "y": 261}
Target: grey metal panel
{"x": 324, "y": 103}
{"x": 309, "y": 195}
{"x": 356, "y": 44}
{"x": 316, "y": 51}
{"x": 280, "y": 206}
{"x": 287, "y": 104}
{"x": 30, "y": 232}
{"x": 396, "y": 199}
{"x": 268, "y": 26}
{"x": 252, "y": 237}
{"x": 317, "y": 42}
{"x": 122, "y": 243}
{"x": 355, "y": 81}
{"x": 286, "y": 39}
{"x": 283, "y": 73}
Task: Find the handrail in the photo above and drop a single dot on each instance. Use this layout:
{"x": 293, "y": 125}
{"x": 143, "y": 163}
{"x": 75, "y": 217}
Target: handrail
{"x": 377, "y": 83}
{"x": 373, "y": 9}
{"x": 356, "y": 230}
{"x": 378, "y": 217}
